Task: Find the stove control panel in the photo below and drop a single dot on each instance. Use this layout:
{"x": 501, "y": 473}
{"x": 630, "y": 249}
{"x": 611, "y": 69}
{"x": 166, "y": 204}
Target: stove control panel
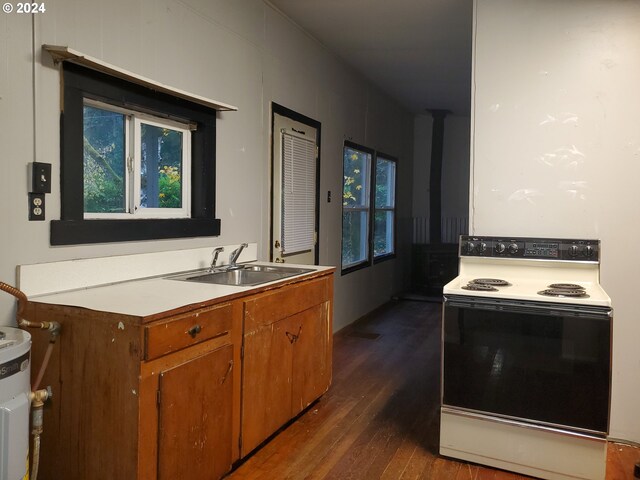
{"x": 530, "y": 248}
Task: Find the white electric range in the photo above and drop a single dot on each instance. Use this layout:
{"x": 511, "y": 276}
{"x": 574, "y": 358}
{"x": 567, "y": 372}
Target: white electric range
{"x": 526, "y": 363}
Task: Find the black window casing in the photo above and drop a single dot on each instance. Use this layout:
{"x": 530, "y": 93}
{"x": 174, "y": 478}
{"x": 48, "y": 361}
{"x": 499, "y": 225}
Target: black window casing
{"x": 367, "y": 261}
{"x": 72, "y": 229}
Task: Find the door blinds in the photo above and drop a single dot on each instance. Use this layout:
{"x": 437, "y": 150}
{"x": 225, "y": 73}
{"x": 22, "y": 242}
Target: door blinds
{"x": 299, "y": 193}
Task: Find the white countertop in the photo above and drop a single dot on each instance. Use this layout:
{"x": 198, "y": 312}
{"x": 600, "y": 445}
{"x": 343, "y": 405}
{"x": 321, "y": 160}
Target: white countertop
{"x": 151, "y": 296}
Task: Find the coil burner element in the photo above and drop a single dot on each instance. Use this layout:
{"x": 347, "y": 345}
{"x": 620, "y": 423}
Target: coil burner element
{"x": 494, "y": 282}
{"x": 478, "y": 287}
{"x": 565, "y": 286}
{"x": 564, "y": 292}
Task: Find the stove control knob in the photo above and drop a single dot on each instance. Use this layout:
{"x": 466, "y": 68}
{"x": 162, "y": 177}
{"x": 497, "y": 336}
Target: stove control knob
{"x": 588, "y": 251}
{"x": 500, "y": 248}
{"x": 573, "y": 251}
{"x": 482, "y": 247}
{"x": 513, "y": 248}
{"x": 470, "y": 247}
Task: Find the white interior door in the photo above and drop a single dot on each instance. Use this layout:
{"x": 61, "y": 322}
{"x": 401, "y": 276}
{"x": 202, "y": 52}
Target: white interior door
{"x": 295, "y": 160}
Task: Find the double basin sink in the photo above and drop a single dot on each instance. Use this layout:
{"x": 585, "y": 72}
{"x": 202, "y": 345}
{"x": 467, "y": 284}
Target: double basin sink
{"x": 242, "y": 275}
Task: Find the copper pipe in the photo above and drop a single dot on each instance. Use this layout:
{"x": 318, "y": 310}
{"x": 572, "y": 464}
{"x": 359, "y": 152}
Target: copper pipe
{"x": 19, "y": 294}
{"x": 53, "y": 327}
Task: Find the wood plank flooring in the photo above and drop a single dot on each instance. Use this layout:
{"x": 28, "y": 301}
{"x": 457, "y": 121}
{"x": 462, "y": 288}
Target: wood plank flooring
{"x": 380, "y": 419}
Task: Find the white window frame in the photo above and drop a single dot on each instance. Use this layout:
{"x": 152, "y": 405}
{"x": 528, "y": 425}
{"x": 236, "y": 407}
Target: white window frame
{"x": 133, "y": 156}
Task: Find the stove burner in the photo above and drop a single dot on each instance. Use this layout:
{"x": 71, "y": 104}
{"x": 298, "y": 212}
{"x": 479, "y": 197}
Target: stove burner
{"x": 564, "y": 292}
{"x": 479, "y": 287}
{"x": 565, "y": 286}
{"x": 494, "y": 282}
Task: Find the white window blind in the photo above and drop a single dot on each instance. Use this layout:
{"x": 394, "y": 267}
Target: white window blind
{"x": 299, "y": 193}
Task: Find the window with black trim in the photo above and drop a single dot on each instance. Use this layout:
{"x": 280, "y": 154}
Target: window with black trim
{"x": 384, "y": 215}
{"x": 356, "y": 210}
{"x": 136, "y": 164}
{"x": 368, "y": 207}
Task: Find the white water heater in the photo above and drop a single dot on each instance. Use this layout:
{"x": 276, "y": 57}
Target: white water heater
{"x": 15, "y": 354}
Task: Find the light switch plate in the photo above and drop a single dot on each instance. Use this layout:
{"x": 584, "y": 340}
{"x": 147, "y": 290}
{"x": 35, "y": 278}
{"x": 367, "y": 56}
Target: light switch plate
{"x": 40, "y": 176}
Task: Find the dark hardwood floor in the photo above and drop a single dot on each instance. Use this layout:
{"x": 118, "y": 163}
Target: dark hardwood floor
{"x": 379, "y": 420}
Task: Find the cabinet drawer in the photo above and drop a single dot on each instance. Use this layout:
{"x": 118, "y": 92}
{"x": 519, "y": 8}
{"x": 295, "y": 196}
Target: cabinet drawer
{"x": 270, "y": 307}
{"x": 186, "y": 330}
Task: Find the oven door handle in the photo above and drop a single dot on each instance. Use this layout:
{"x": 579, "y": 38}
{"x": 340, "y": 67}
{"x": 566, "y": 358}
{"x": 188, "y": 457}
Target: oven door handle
{"x": 532, "y": 307}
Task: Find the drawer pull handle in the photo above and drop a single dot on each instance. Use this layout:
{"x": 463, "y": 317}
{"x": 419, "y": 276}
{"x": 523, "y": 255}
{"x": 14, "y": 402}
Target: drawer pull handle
{"x": 195, "y": 330}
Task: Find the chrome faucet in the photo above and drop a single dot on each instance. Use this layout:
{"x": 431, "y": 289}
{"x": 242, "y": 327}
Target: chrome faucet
{"x": 215, "y": 253}
{"x": 235, "y": 254}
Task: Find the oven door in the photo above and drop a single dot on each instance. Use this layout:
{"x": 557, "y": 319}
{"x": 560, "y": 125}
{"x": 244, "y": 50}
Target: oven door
{"x": 538, "y": 362}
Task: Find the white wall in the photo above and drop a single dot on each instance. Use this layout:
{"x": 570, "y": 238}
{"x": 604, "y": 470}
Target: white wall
{"x": 556, "y": 146}
{"x": 239, "y": 52}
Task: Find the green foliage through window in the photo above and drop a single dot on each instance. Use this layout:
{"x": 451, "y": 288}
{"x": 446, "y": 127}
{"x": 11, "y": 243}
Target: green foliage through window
{"x": 385, "y": 203}
{"x": 160, "y": 184}
{"x": 355, "y": 206}
{"x": 114, "y": 171}
{"x": 357, "y": 196}
{"x": 104, "y": 161}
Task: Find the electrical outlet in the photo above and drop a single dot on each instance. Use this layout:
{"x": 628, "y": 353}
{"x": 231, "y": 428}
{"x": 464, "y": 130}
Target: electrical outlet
{"x": 36, "y": 206}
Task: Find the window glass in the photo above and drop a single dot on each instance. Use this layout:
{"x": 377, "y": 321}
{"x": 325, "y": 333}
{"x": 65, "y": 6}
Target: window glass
{"x": 104, "y": 161}
{"x": 356, "y": 178}
{"x": 385, "y": 183}
{"x": 161, "y": 169}
{"x": 135, "y": 164}
{"x": 383, "y": 233}
{"x": 354, "y": 237}
{"x": 385, "y": 202}
{"x": 355, "y": 206}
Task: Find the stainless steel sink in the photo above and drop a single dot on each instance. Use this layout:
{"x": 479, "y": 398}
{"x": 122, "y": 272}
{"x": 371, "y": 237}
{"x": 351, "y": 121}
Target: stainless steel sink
{"x": 246, "y": 275}
{"x": 288, "y": 271}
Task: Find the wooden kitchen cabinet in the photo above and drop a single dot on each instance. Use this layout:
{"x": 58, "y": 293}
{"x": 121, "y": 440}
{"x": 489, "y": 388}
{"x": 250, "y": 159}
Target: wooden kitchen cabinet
{"x": 172, "y": 395}
{"x": 287, "y": 356}
{"x": 140, "y": 399}
{"x": 313, "y": 357}
{"x": 194, "y": 417}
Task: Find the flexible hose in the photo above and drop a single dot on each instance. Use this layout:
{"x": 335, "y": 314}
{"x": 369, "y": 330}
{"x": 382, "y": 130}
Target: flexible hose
{"x": 38, "y": 398}
{"x": 35, "y": 458}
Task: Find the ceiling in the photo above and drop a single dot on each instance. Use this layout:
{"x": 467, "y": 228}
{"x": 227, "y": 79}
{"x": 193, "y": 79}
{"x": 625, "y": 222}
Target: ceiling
{"x": 417, "y": 51}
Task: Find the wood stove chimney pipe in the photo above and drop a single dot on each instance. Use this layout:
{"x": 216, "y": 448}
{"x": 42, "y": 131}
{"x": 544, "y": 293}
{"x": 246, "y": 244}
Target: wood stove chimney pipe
{"x": 435, "y": 180}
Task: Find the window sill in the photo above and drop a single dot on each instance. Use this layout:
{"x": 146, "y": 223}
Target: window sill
{"x": 74, "y": 232}
{"x": 354, "y": 268}
{"x": 384, "y": 258}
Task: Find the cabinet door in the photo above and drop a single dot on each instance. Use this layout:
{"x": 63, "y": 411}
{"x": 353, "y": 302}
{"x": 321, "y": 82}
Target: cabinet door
{"x": 266, "y": 387}
{"x": 194, "y": 417}
{"x": 312, "y": 355}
